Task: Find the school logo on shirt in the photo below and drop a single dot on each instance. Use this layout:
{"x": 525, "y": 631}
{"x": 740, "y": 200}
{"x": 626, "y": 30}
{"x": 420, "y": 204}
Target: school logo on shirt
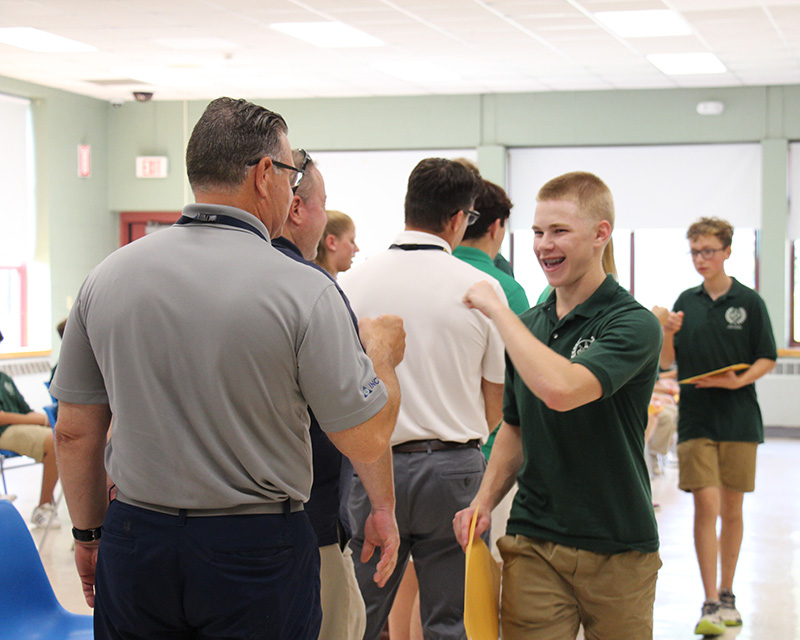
{"x": 580, "y": 346}
{"x": 735, "y": 317}
{"x": 10, "y": 388}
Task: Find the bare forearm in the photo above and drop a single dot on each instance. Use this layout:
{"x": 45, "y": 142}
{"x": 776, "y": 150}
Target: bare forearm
{"x": 8, "y": 417}
{"x": 80, "y": 444}
{"x": 758, "y": 369}
{"x": 504, "y": 465}
{"x": 667, "y": 358}
{"x": 378, "y": 480}
{"x": 559, "y": 383}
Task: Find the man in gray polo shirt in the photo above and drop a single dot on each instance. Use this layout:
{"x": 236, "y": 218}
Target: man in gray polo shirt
{"x": 204, "y": 343}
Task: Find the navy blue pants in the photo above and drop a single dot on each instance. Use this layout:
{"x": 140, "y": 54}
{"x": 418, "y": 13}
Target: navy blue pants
{"x": 223, "y": 577}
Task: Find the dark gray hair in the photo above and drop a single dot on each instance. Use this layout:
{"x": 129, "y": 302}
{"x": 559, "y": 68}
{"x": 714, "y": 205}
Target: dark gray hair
{"x": 230, "y": 137}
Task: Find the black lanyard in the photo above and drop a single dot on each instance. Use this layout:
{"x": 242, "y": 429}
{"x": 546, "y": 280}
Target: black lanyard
{"x": 221, "y": 218}
{"x": 417, "y": 247}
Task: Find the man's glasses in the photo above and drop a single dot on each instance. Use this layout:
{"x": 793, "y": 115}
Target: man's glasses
{"x": 706, "y": 253}
{"x": 472, "y": 216}
{"x": 295, "y": 174}
{"x": 306, "y": 160}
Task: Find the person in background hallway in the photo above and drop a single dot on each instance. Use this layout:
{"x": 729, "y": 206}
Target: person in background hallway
{"x": 343, "y": 614}
{"x": 582, "y": 542}
{"x": 208, "y": 360}
{"x": 713, "y": 325}
{"x": 28, "y": 433}
{"x": 337, "y": 246}
{"x": 452, "y": 389}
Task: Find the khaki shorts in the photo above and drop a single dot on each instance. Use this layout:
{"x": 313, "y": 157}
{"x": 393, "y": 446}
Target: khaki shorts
{"x": 704, "y": 463}
{"x": 26, "y": 439}
{"x": 550, "y": 589}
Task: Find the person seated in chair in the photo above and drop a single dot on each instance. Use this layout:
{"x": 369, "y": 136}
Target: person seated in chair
{"x": 28, "y": 433}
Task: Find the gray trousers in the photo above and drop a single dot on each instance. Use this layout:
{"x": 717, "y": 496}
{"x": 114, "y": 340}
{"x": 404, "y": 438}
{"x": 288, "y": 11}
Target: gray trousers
{"x": 429, "y": 489}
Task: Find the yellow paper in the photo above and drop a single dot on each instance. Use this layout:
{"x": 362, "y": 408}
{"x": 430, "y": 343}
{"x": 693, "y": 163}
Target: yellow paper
{"x": 716, "y": 372}
{"x": 481, "y": 589}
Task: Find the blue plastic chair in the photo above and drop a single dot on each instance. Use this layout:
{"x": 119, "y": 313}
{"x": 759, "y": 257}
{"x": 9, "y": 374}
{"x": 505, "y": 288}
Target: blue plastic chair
{"x": 29, "y": 609}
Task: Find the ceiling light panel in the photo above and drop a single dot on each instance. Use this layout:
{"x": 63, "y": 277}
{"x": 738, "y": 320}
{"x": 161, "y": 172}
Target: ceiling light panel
{"x": 40, "y": 41}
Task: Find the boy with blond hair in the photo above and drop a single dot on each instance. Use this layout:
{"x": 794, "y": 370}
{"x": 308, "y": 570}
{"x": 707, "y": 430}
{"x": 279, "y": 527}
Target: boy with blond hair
{"x": 582, "y": 543}
{"x": 716, "y": 324}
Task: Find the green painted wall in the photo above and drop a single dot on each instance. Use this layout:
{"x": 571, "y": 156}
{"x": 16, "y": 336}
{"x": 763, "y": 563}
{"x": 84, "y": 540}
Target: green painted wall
{"x": 83, "y": 215}
{"x": 75, "y": 230}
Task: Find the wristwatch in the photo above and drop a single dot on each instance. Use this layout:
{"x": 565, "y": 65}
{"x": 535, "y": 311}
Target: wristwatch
{"x": 87, "y": 535}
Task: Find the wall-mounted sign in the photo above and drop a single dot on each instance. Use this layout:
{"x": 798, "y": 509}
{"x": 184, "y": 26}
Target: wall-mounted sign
{"x": 151, "y": 166}
{"x": 84, "y": 161}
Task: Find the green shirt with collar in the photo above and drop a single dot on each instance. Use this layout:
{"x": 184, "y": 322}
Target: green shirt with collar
{"x": 583, "y": 481}
{"x": 11, "y": 399}
{"x": 515, "y": 294}
{"x": 732, "y": 329}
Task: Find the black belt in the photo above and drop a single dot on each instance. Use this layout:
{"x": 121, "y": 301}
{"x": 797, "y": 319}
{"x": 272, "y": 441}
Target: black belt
{"x": 426, "y": 446}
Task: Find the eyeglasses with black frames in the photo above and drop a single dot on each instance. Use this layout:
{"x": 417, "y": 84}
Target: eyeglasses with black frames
{"x": 295, "y": 175}
{"x": 706, "y": 253}
{"x": 306, "y": 159}
{"x": 472, "y": 216}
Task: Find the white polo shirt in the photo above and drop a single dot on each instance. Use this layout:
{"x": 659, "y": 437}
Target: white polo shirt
{"x": 449, "y": 348}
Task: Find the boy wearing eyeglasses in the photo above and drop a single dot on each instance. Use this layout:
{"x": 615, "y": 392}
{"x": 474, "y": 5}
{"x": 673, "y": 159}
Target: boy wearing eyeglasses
{"x": 713, "y": 326}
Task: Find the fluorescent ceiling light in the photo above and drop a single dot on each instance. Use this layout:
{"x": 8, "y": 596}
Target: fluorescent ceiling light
{"x": 197, "y": 44}
{"x": 644, "y": 24}
{"x": 684, "y": 64}
{"x": 328, "y": 34}
{"x": 41, "y": 41}
{"x": 415, "y": 71}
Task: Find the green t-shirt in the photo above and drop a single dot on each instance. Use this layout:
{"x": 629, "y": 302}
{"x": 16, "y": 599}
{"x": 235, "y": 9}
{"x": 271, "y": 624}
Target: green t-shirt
{"x": 11, "y": 399}
{"x": 584, "y": 482}
{"x": 515, "y": 294}
{"x": 732, "y": 329}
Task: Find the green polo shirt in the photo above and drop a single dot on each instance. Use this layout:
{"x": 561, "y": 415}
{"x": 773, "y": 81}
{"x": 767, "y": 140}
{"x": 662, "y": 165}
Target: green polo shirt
{"x": 584, "y": 482}
{"x": 515, "y": 294}
{"x": 732, "y": 329}
{"x": 11, "y": 399}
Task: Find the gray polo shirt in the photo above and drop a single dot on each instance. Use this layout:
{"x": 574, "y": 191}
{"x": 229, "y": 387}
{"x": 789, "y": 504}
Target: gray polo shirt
{"x": 209, "y": 345}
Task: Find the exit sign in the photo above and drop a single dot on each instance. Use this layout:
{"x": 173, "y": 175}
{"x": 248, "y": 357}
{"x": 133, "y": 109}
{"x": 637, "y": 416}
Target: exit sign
{"x": 151, "y": 166}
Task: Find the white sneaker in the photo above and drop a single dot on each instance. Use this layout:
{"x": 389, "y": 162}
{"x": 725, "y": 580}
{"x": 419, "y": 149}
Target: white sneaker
{"x": 710, "y": 623}
{"x": 8, "y": 496}
{"x": 730, "y": 616}
{"x": 45, "y": 516}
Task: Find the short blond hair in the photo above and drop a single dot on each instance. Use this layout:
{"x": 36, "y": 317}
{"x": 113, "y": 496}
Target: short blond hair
{"x": 589, "y": 192}
{"x": 720, "y": 229}
{"x": 338, "y": 223}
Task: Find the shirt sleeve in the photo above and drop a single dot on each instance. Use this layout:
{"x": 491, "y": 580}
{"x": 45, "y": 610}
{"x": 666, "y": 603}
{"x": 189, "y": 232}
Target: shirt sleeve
{"x": 336, "y": 376}
{"x": 78, "y": 378}
{"x": 625, "y": 348}
{"x": 762, "y": 338}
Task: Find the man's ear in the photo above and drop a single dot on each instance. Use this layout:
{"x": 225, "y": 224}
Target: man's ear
{"x": 295, "y": 214}
{"x": 454, "y": 223}
{"x": 260, "y": 176}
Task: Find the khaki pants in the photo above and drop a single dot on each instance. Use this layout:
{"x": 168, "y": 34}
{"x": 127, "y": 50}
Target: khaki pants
{"x": 343, "y": 614}
{"x": 550, "y": 589}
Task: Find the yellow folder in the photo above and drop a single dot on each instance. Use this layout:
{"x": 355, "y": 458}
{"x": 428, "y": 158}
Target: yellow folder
{"x": 732, "y": 367}
{"x": 481, "y": 589}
